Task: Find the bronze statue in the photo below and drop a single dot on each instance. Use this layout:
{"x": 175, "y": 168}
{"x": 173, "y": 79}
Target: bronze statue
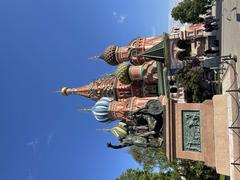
{"x": 144, "y": 131}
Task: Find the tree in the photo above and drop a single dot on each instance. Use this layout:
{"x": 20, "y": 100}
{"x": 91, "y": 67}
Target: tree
{"x": 188, "y": 11}
{"x": 152, "y": 159}
{"x": 194, "y": 170}
{"x": 131, "y": 174}
{"x": 139, "y": 174}
{"x": 195, "y": 80}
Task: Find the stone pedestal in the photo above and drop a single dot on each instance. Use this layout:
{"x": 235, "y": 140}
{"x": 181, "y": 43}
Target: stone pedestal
{"x": 199, "y": 131}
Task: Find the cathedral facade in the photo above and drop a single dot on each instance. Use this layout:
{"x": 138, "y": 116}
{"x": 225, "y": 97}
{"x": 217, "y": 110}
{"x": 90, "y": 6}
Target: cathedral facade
{"x": 143, "y": 85}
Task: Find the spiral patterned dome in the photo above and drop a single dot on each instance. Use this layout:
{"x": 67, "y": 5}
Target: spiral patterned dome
{"x": 100, "y": 109}
{"x": 122, "y": 73}
{"x": 109, "y": 55}
{"x": 120, "y": 131}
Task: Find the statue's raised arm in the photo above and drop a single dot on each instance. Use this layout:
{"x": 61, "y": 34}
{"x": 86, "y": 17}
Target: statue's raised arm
{"x": 121, "y": 145}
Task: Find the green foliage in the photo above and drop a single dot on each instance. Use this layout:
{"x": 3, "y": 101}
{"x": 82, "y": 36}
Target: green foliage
{"x": 152, "y": 158}
{"x": 149, "y": 158}
{"x": 194, "y": 81}
{"x": 222, "y": 177}
{"x": 195, "y": 170}
{"x": 131, "y": 174}
{"x": 188, "y": 11}
{"x": 138, "y": 174}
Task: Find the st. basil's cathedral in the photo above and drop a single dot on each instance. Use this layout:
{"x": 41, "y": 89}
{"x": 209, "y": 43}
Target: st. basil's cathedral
{"x": 145, "y": 74}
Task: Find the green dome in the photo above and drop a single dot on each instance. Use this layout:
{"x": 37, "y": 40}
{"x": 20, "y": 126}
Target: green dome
{"x": 122, "y": 73}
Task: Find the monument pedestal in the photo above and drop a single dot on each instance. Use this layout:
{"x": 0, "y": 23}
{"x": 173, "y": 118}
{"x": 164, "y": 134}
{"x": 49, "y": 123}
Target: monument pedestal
{"x": 199, "y": 131}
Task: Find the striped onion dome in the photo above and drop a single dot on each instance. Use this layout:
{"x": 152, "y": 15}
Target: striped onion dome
{"x": 100, "y": 109}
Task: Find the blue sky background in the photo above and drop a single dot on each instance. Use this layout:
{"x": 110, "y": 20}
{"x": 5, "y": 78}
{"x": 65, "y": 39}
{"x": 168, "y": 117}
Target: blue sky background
{"x": 45, "y": 45}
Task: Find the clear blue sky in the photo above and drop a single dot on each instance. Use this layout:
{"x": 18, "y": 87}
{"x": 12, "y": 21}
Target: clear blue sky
{"x": 45, "y": 45}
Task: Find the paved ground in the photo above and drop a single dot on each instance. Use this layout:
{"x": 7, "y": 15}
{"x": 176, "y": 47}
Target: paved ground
{"x": 230, "y": 43}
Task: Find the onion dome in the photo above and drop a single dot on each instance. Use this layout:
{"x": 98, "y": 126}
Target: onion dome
{"x": 122, "y": 73}
{"x": 100, "y": 110}
{"x": 109, "y": 55}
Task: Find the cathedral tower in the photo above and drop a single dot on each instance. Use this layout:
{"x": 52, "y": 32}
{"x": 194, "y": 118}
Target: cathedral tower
{"x": 115, "y": 55}
{"x": 104, "y": 87}
{"x": 110, "y": 86}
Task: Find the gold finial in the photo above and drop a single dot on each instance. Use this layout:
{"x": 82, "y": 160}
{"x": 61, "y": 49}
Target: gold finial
{"x": 83, "y": 91}
{"x": 64, "y": 91}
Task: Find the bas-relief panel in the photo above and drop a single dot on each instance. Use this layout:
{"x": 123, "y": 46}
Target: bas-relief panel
{"x": 191, "y": 130}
